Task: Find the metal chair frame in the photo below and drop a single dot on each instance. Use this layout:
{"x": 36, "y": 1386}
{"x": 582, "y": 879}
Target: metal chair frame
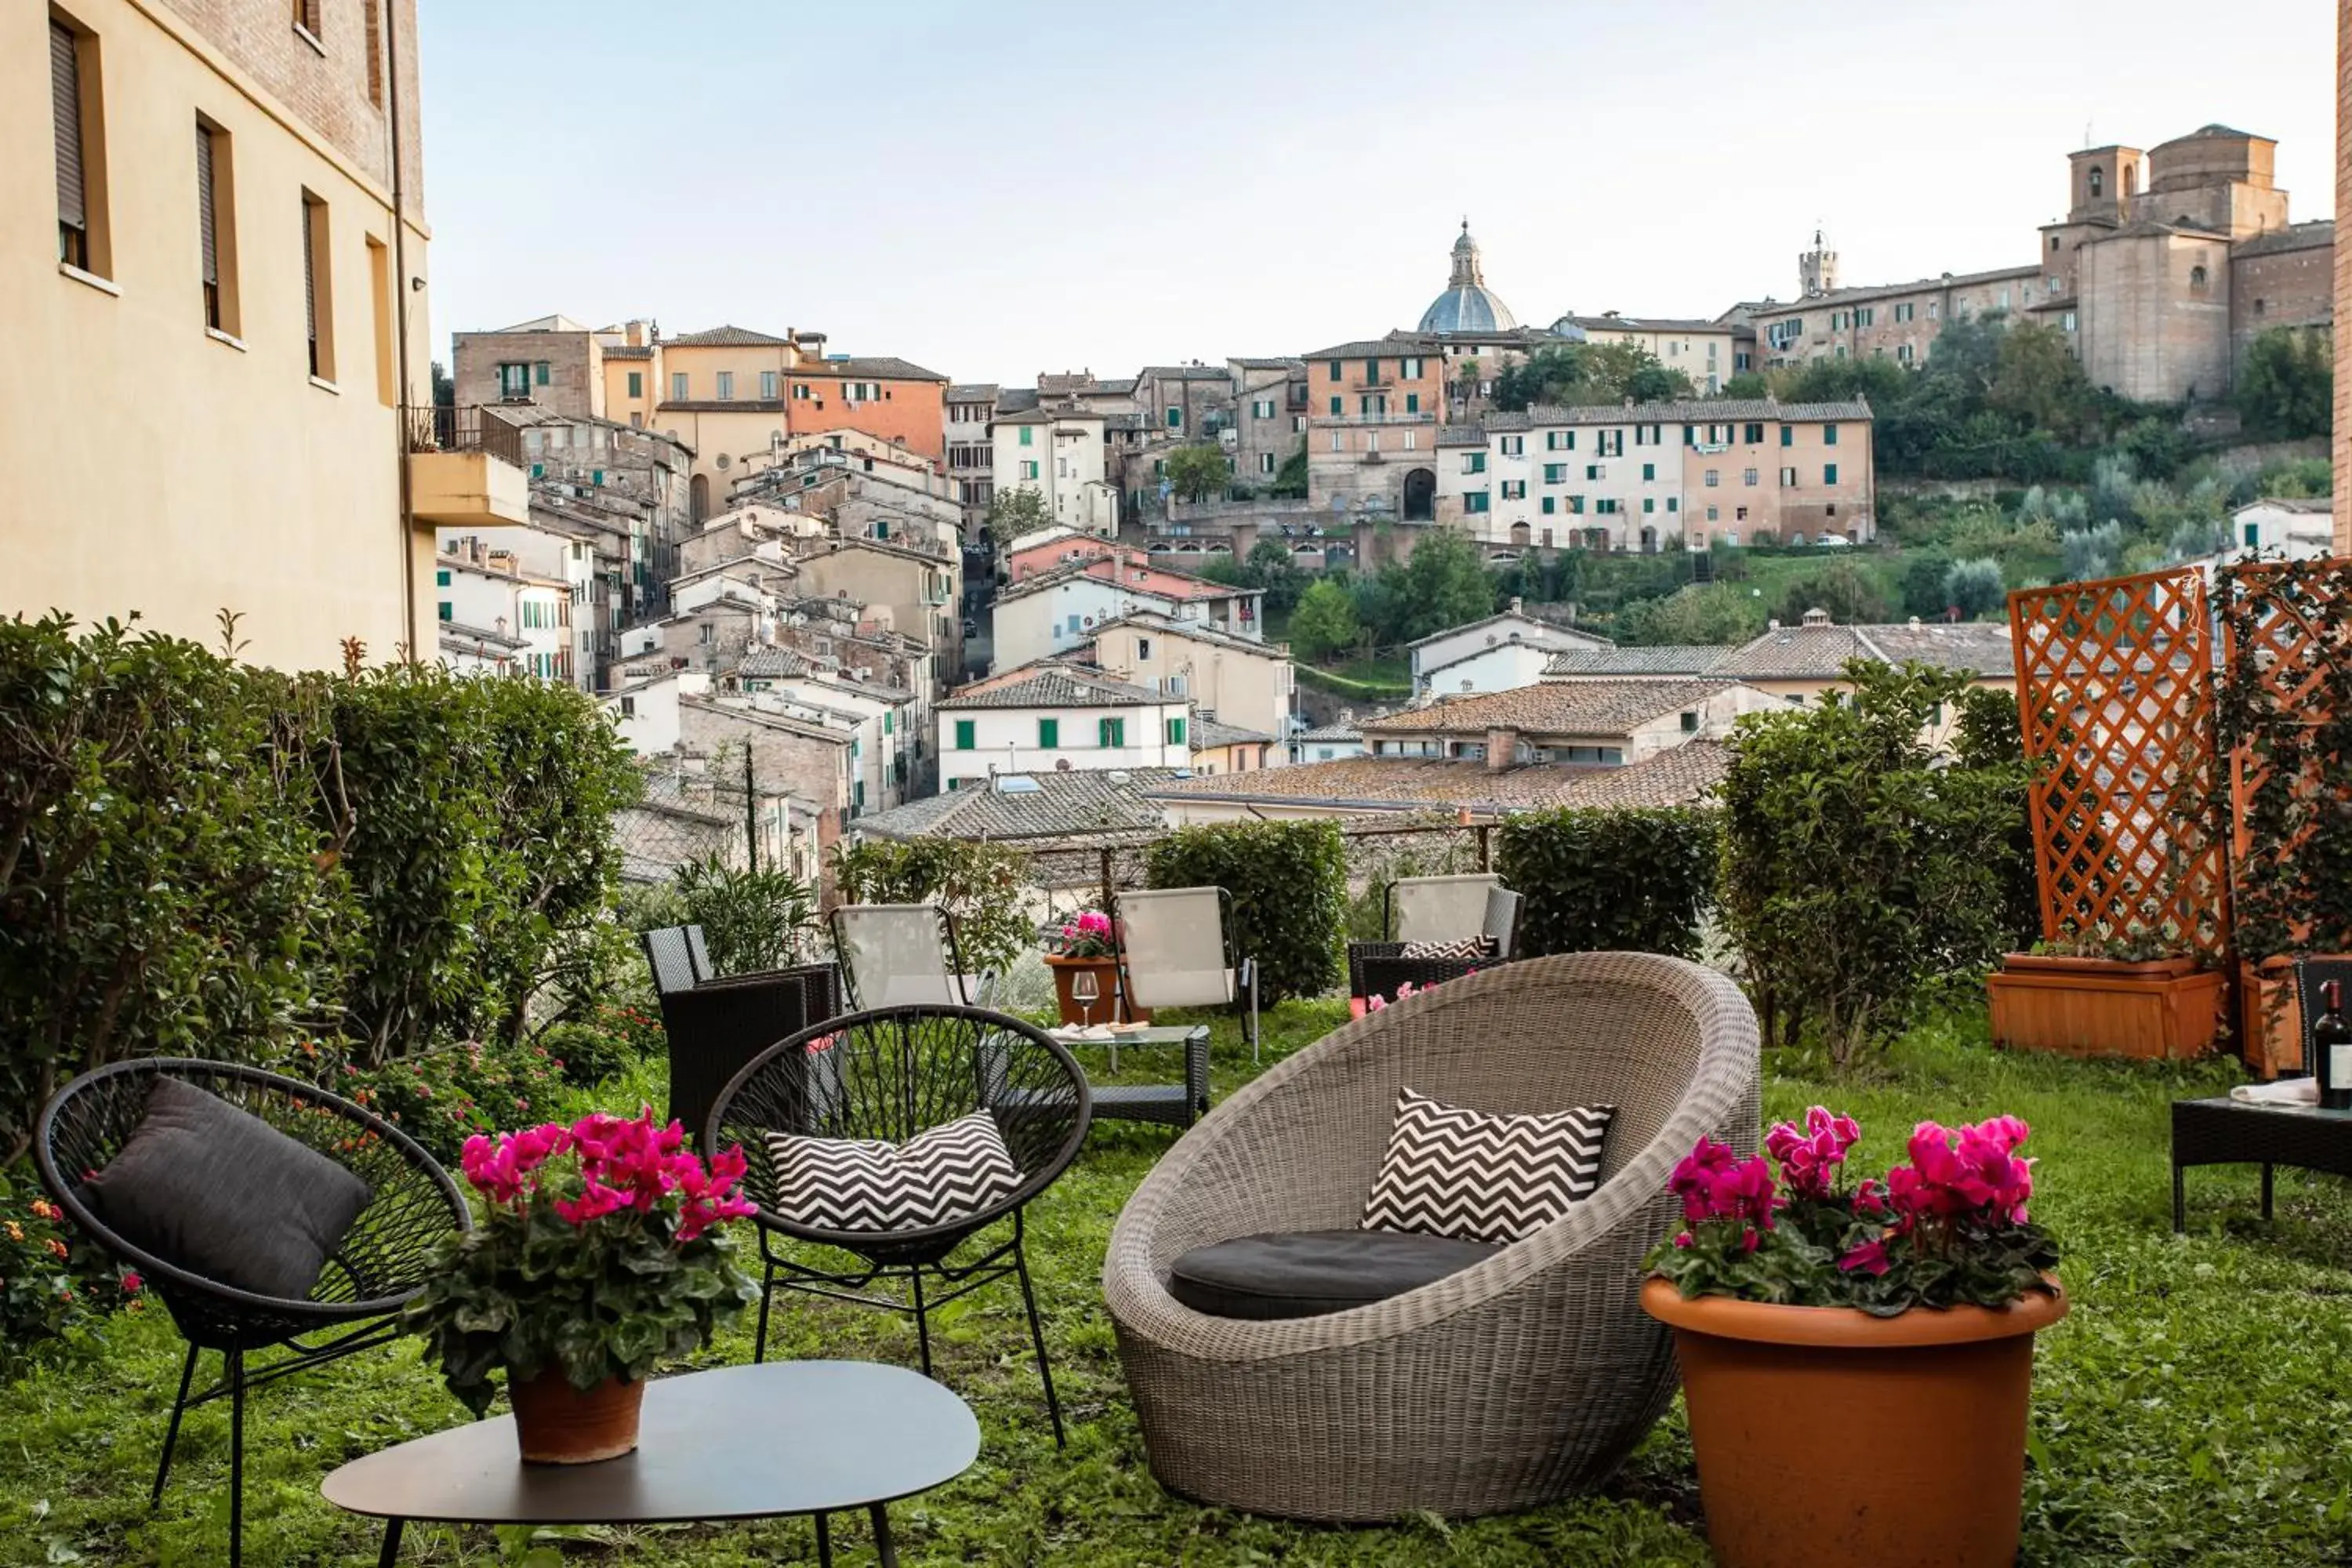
{"x": 1243, "y": 967}
{"x": 218, "y": 1317}
{"x": 909, "y": 1255}
{"x": 975, "y": 995}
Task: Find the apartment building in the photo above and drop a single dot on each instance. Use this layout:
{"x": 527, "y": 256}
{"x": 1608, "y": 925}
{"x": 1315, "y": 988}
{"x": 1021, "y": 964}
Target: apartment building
{"x": 1251, "y": 686}
{"x": 479, "y": 589}
{"x": 216, "y": 280}
{"x": 1704, "y": 351}
{"x": 1651, "y": 477}
{"x": 1057, "y": 453}
{"x": 1269, "y": 416}
{"x": 1373, "y": 408}
{"x": 1058, "y": 612}
{"x": 970, "y": 451}
{"x": 1055, "y": 717}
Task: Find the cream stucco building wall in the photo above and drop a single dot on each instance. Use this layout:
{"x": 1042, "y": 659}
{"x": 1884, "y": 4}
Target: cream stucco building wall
{"x": 161, "y": 466}
{"x": 1250, "y": 686}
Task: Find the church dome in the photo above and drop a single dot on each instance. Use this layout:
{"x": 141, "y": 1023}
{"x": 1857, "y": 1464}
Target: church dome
{"x": 1467, "y": 305}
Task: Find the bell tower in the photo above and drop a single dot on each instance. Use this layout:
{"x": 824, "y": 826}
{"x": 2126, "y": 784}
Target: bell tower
{"x": 1817, "y": 270}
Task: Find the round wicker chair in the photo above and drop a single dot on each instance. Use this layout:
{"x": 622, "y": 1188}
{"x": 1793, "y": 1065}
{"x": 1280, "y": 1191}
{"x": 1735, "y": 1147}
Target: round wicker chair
{"x": 381, "y": 1264}
{"x": 888, "y": 1074}
{"x": 1527, "y": 1376}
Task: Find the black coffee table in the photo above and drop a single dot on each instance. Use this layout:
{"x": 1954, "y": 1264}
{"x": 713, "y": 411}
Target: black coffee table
{"x": 740, "y": 1442}
{"x": 1175, "y": 1104}
{"x": 2225, "y": 1132}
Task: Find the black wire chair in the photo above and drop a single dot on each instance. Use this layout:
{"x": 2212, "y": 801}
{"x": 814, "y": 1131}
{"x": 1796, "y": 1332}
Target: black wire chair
{"x": 380, "y": 1265}
{"x": 890, "y": 1073}
{"x": 715, "y": 1024}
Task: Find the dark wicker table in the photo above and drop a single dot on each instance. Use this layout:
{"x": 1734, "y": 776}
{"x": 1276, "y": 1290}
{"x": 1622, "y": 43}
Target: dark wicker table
{"x": 1175, "y": 1104}
{"x": 2225, "y": 1132}
{"x": 740, "y": 1442}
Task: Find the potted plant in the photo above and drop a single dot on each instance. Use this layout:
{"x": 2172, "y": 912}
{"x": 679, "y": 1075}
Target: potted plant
{"x": 597, "y": 1259}
{"x": 2099, "y": 994}
{"x": 1858, "y": 1361}
{"x": 1088, "y": 945}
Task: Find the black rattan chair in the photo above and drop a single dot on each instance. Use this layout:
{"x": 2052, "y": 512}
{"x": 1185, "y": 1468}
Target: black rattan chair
{"x": 1382, "y": 969}
{"x": 890, "y": 1073}
{"x": 382, "y": 1262}
{"x": 716, "y": 1024}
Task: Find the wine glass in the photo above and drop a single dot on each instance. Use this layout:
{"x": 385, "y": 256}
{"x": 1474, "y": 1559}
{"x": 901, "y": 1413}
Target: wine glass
{"x": 1086, "y": 990}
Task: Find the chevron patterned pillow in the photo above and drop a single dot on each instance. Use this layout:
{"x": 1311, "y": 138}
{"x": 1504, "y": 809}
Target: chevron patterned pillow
{"x": 1478, "y": 1175}
{"x": 1466, "y": 947}
{"x": 934, "y": 1178}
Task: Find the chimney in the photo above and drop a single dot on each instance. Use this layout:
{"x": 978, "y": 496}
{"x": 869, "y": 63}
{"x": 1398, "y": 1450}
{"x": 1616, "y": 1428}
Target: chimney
{"x": 1516, "y": 606}
{"x": 1773, "y": 624}
{"x": 1502, "y": 748}
{"x": 1817, "y": 616}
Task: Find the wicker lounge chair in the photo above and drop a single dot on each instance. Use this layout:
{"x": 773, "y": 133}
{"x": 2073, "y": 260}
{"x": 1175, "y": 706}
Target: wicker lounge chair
{"x": 1525, "y": 1377}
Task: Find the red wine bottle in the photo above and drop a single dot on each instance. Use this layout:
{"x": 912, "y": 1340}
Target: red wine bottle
{"x": 2331, "y": 1048}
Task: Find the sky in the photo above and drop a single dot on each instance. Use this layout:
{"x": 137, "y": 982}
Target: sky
{"x": 995, "y": 190}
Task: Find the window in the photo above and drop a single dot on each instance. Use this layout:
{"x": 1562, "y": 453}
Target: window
{"x": 318, "y": 287}
{"x": 1788, "y": 435}
{"x": 1747, "y": 476}
{"x": 726, "y": 386}
{"x": 1175, "y": 419}
{"x": 447, "y": 609}
{"x": 1902, "y": 354}
{"x": 1712, "y": 514}
{"x": 1906, "y": 311}
{"x": 1474, "y": 501}
{"x": 1049, "y": 734}
{"x": 1550, "y": 505}
{"x": 514, "y": 381}
{"x": 1408, "y": 369}
{"x": 1829, "y": 434}
{"x": 2070, "y": 321}
{"x": 1554, "y": 473}
{"x": 1412, "y": 402}
{"x": 1712, "y": 477}
{"x": 1690, "y": 721}
{"x": 1559, "y": 440}
{"x": 75, "y": 114}
{"x": 768, "y": 385}
{"x": 1029, "y": 469}
{"x": 1673, "y": 504}
{"x": 2197, "y": 279}
{"x": 677, "y": 384}
{"x": 1028, "y": 434}
{"x": 1648, "y": 472}
{"x": 1829, "y": 473}
{"x": 217, "y": 240}
{"x": 1335, "y": 370}
{"x": 1605, "y": 504}
{"x": 539, "y": 372}
{"x": 1611, "y": 444}
{"x": 1649, "y": 503}
{"x": 1175, "y": 731}
{"x": 1473, "y": 462}
{"x": 963, "y": 734}
{"x": 1143, "y": 649}
{"x": 1576, "y": 506}
{"x": 1265, "y": 464}
{"x": 2098, "y": 181}
{"x": 1514, "y": 446}
{"x": 1787, "y": 476}
{"x": 1110, "y": 732}
{"x": 1515, "y": 490}
{"x": 1753, "y": 435}
{"x": 1594, "y": 470}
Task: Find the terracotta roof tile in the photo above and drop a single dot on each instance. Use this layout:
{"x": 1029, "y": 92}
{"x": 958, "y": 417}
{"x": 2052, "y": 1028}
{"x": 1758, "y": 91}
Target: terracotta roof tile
{"x": 1550, "y": 708}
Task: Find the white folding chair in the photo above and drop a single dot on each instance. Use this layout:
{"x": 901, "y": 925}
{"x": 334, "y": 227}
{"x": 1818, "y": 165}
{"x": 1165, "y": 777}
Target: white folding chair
{"x": 903, "y": 955}
{"x": 1176, "y": 950}
{"x": 1441, "y": 909}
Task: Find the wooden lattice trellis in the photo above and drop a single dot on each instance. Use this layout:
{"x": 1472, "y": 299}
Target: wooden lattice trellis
{"x": 2114, "y": 691}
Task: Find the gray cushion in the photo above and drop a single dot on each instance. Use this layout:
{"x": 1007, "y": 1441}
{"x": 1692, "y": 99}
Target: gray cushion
{"x": 1305, "y": 1274}
{"x": 222, "y": 1194}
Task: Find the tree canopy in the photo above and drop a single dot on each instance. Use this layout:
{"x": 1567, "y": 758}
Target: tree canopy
{"x": 1199, "y": 472}
{"x": 1325, "y": 623}
{"x": 1569, "y": 374}
{"x": 2287, "y": 389}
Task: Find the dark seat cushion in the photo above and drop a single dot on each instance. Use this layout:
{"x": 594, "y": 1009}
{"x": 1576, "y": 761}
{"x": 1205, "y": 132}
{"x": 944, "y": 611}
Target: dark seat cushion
{"x": 222, "y": 1194}
{"x": 1305, "y": 1274}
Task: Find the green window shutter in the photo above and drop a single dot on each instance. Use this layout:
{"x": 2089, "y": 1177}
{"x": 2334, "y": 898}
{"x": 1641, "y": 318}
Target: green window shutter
{"x": 1550, "y": 505}
{"x": 445, "y": 611}
{"x": 887, "y": 728}
{"x": 540, "y": 372}
{"x": 1027, "y": 432}
{"x": 1412, "y": 402}
{"x": 1788, "y": 435}
{"x": 1049, "y": 734}
{"x": 1649, "y": 503}
{"x": 1649, "y": 470}
{"x": 963, "y": 734}
{"x": 441, "y": 578}
{"x": 1371, "y": 369}
{"x": 861, "y": 795}
{"x": 1335, "y": 370}
{"x": 1175, "y": 731}
{"x": 1829, "y": 434}
{"x": 1829, "y": 473}
{"x": 1335, "y": 406}
{"x": 1110, "y": 732}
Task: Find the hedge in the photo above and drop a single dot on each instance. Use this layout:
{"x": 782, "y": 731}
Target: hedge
{"x": 1289, "y": 883}
{"x": 1592, "y": 880}
{"x": 203, "y": 857}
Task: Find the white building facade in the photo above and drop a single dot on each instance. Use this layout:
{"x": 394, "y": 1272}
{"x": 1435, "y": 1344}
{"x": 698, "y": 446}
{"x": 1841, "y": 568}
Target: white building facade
{"x": 1059, "y": 718}
{"x": 1058, "y": 453}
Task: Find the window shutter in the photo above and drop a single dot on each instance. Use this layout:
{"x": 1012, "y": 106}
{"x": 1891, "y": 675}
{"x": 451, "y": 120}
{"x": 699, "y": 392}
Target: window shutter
{"x": 310, "y": 288}
{"x": 207, "y": 226}
{"x": 65, "y": 97}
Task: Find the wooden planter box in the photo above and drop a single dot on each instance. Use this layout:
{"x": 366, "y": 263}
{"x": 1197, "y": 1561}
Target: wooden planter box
{"x": 1106, "y": 973}
{"x": 2164, "y": 1009}
{"x": 2270, "y": 1015}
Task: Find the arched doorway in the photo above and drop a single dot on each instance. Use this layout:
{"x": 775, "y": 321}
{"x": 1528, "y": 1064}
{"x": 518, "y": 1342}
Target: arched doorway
{"x": 1420, "y": 496}
{"x": 699, "y": 497}
{"x": 1649, "y": 541}
{"x": 1520, "y": 534}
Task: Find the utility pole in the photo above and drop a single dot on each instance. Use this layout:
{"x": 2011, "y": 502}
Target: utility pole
{"x": 751, "y": 811}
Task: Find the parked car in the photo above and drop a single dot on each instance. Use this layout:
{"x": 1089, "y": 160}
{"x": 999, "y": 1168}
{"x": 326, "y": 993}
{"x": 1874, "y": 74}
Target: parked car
{"x": 971, "y": 627}
{"x": 1830, "y": 541}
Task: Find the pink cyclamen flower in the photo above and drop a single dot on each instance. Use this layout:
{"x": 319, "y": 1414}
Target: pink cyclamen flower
{"x": 1809, "y": 1157}
{"x": 1870, "y": 1257}
{"x": 131, "y": 1283}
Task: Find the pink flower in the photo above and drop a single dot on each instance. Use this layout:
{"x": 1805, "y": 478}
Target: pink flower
{"x": 1683, "y": 1239}
{"x": 131, "y": 1283}
{"x": 1870, "y": 1257}
{"x": 1809, "y": 1158}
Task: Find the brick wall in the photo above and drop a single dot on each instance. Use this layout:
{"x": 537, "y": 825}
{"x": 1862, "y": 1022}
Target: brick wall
{"x": 2279, "y": 288}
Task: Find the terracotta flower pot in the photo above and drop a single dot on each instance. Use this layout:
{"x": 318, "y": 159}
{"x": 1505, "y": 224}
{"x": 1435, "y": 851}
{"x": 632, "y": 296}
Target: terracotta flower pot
{"x": 1106, "y": 974}
{"x": 555, "y": 1424}
{"x": 1825, "y": 1435}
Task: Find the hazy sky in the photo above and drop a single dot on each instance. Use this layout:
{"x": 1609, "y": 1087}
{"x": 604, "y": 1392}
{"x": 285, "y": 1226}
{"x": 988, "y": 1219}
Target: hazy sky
{"x": 993, "y": 190}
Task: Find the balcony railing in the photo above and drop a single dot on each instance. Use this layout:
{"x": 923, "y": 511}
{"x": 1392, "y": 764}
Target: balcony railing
{"x": 440, "y": 428}
{"x": 1340, "y": 419}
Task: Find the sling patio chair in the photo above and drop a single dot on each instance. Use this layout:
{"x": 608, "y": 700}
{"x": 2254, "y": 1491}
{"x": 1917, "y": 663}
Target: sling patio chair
{"x": 905, "y": 955}
{"x": 196, "y": 1157}
{"x": 1459, "y": 1386}
{"x": 895, "y": 1135}
{"x": 1177, "y": 947}
{"x": 715, "y": 1024}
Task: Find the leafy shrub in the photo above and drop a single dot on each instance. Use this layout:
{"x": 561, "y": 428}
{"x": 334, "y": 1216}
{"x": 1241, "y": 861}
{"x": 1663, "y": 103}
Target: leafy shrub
{"x": 609, "y": 1039}
{"x": 1973, "y": 587}
{"x": 751, "y": 920}
{"x": 443, "y": 1095}
{"x": 1289, "y": 883}
{"x": 1856, "y": 871}
{"x": 1634, "y": 880}
{"x": 54, "y": 1282}
{"x": 978, "y": 882}
{"x": 1989, "y": 736}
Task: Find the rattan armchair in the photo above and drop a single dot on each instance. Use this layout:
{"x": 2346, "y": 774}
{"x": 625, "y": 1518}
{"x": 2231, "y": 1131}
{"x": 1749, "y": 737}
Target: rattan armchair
{"x": 380, "y": 1263}
{"x": 1527, "y": 1376}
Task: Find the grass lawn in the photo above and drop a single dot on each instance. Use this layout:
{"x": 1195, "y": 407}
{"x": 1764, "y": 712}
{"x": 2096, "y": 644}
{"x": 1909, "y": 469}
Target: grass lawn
{"x": 2189, "y": 1412}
